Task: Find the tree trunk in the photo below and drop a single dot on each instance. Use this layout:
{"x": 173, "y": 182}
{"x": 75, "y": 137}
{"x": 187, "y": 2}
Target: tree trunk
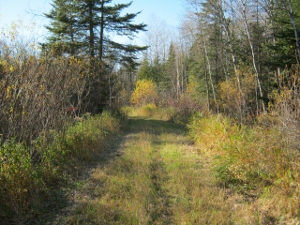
{"x": 292, "y": 18}
{"x": 254, "y": 61}
{"x": 101, "y": 32}
{"x": 91, "y": 31}
{"x": 206, "y": 82}
{"x": 210, "y": 76}
{"x": 233, "y": 56}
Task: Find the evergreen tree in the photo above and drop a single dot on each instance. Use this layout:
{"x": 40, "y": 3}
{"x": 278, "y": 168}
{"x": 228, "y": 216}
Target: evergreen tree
{"x": 144, "y": 72}
{"x": 91, "y": 22}
{"x": 169, "y": 80}
{"x": 284, "y": 47}
{"x": 112, "y": 21}
{"x": 84, "y": 28}
{"x": 65, "y": 36}
{"x": 157, "y": 70}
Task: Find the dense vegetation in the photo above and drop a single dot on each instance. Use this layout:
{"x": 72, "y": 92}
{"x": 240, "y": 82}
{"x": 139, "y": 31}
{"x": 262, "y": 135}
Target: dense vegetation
{"x": 230, "y": 76}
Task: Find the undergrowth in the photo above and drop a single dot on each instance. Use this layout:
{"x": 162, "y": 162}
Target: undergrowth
{"x": 29, "y": 173}
{"x": 255, "y": 161}
{"x": 178, "y": 115}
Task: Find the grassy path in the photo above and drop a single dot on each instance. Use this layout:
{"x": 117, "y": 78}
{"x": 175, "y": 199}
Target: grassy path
{"x": 152, "y": 176}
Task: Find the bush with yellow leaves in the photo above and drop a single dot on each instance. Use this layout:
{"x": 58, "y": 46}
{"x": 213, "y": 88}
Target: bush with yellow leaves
{"x": 144, "y": 93}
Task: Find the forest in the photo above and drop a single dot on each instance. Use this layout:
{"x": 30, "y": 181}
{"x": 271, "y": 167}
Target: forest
{"x": 228, "y": 77}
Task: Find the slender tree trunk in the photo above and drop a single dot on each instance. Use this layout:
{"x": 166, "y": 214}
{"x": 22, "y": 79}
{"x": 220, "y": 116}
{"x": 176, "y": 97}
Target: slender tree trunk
{"x": 254, "y": 61}
{"x": 235, "y": 67}
{"x": 205, "y": 69}
{"x": 72, "y": 50}
{"x": 91, "y": 31}
{"x": 177, "y": 79}
{"x": 210, "y": 76}
{"x": 233, "y": 57}
{"x": 292, "y": 18}
{"x": 101, "y": 32}
{"x": 206, "y": 81}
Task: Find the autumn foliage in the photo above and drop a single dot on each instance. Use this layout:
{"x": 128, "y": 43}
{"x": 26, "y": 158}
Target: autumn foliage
{"x": 144, "y": 93}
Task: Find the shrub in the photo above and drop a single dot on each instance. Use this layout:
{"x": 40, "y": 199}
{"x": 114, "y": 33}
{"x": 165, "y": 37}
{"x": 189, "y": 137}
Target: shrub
{"x": 150, "y": 110}
{"x": 144, "y": 93}
{"x": 239, "y": 104}
{"x": 35, "y": 94}
{"x": 18, "y": 179}
{"x": 88, "y": 135}
{"x": 207, "y": 131}
{"x": 27, "y": 173}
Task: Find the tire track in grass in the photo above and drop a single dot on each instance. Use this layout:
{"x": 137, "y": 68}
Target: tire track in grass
{"x": 158, "y": 200}
{"x": 156, "y": 177}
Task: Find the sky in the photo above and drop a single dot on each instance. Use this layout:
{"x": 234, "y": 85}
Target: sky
{"x": 30, "y": 11}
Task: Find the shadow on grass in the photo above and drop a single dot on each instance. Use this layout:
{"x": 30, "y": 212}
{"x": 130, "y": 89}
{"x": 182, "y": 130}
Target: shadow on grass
{"x": 152, "y": 126}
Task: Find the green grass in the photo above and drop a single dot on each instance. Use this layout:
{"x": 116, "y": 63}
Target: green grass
{"x": 159, "y": 178}
{"x": 31, "y": 177}
{"x": 159, "y": 172}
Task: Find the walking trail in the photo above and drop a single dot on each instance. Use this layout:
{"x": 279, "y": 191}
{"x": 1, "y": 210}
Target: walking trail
{"x": 151, "y": 174}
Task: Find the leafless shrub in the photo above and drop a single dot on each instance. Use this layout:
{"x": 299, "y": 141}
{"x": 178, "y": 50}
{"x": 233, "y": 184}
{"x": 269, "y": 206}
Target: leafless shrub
{"x": 285, "y": 109}
{"x": 36, "y": 92}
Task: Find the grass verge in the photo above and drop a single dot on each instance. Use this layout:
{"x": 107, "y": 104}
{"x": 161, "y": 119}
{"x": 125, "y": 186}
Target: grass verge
{"x": 32, "y": 178}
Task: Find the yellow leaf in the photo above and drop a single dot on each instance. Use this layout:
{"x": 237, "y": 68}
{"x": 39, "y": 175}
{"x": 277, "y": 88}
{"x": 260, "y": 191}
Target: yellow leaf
{"x": 11, "y": 68}
{"x": 8, "y": 91}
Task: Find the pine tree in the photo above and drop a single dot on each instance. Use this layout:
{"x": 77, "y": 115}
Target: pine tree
{"x": 65, "y": 36}
{"x": 91, "y": 22}
{"x": 112, "y": 21}
{"x": 169, "y": 80}
{"x": 84, "y": 28}
{"x": 144, "y": 72}
{"x": 284, "y": 48}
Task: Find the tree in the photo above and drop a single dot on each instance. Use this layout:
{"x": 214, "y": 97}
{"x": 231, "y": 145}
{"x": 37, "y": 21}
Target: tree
{"x": 144, "y": 71}
{"x": 113, "y": 22}
{"x": 285, "y": 17}
{"x": 169, "y": 81}
{"x": 84, "y": 28}
{"x": 65, "y": 36}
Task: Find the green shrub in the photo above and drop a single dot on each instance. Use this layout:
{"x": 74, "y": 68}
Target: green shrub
{"x": 27, "y": 174}
{"x": 209, "y": 132}
{"x": 18, "y": 179}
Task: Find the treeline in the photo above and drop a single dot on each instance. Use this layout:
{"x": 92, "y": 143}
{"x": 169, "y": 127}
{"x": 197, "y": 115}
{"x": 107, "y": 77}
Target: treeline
{"x": 240, "y": 58}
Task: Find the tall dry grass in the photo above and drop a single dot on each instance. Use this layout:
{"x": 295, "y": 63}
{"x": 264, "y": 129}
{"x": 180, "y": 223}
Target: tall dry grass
{"x": 258, "y": 162}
